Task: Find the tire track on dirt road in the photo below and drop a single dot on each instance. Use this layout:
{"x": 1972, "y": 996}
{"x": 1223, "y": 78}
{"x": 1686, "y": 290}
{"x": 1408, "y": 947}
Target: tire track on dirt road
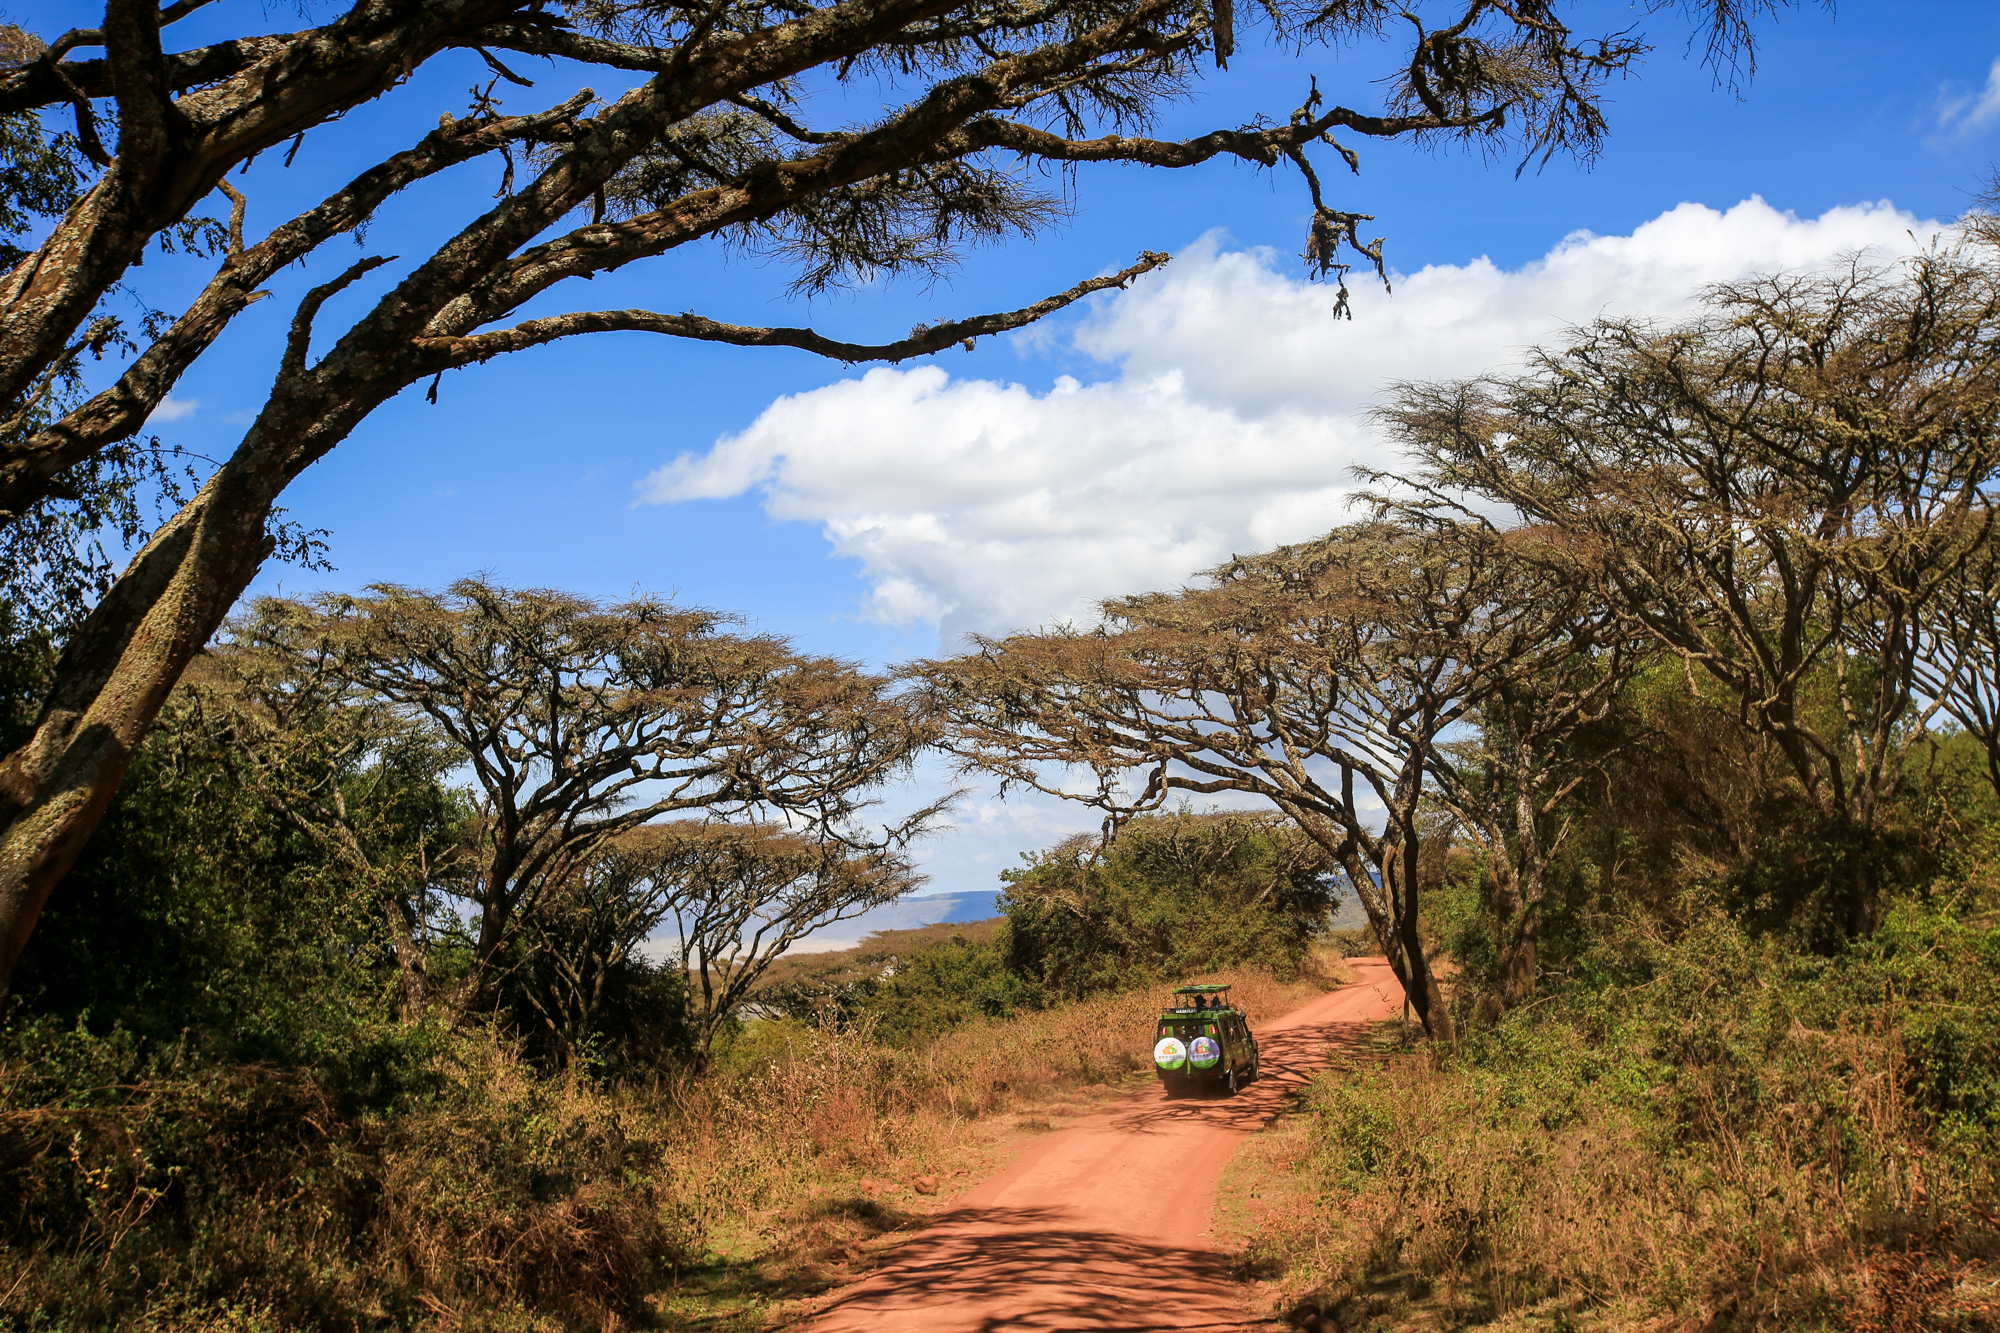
{"x": 1105, "y": 1225}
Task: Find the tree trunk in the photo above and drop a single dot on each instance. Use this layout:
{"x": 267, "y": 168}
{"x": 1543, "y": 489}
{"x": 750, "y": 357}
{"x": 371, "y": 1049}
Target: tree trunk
{"x": 110, "y": 684}
{"x": 1518, "y": 889}
{"x": 125, "y": 659}
{"x": 1394, "y": 928}
{"x": 1519, "y": 941}
{"x": 1504, "y": 907}
{"x": 409, "y": 955}
{"x": 1421, "y": 985}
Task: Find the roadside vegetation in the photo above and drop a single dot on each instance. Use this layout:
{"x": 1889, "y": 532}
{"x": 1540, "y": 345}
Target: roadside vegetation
{"x": 432, "y": 1175}
{"x": 259, "y": 1075}
{"x": 1709, "y": 1129}
{"x": 1752, "y": 1079}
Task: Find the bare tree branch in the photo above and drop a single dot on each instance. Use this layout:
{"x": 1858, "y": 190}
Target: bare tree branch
{"x": 922, "y": 342}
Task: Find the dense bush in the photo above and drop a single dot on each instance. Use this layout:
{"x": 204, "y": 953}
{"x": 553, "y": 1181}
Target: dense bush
{"x": 433, "y": 1170}
{"x": 1170, "y": 896}
{"x": 1719, "y": 1129}
{"x": 194, "y": 911}
{"x": 939, "y": 986}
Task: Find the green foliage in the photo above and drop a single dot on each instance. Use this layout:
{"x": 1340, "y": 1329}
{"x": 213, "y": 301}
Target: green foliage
{"x": 1712, "y": 1119}
{"x": 939, "y": 986}
{"x": 1689, "y": 814}
{"x": 640, "y": 1024}
{"x": 194, "y": 910}
{"x": 58, "y": 557}
{"x": 39, "y": 172}
{"x": 1173, "y": 895}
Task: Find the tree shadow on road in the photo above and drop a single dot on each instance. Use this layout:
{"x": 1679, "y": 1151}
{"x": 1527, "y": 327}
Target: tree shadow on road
{"x": 1028, "y": 1272}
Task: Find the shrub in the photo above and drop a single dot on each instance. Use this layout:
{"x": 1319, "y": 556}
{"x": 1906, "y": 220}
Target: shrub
{"x": 939, "y": 986}
{"x": 437, "y": 1171}
{"x": 1720, "y": 1131}
{"x": 1171, "y": 896}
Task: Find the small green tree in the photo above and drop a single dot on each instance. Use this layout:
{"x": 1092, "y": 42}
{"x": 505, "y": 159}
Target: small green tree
{"x": 1170, "y": 896}
{"x": 936, "y": 987}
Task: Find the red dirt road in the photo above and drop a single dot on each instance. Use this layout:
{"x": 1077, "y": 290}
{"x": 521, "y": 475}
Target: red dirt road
{"x": 1104, "y": 1225}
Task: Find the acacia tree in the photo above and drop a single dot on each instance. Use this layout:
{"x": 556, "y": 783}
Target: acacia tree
{"x": 717, "y": 141}
{"x": 1957, "y": 661}
{"x": 1469, "y": 662}
{"x": 578, "y": 723}
{"x": 1783, "y": 492}
{"x": 1497, "y": 663}
{"x": 1324, "y": 677}
{"x": 731, "y": 898}
{"x": 738, "y": 896}
{"x": 1268, "y": 682}
{"x": 1536, "y": 742}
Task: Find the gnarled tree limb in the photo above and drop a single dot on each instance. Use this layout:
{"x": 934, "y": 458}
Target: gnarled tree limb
{"x": 921, "y": 342}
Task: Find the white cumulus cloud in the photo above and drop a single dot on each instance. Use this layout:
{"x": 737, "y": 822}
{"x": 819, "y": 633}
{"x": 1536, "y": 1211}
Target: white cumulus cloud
{"x": 1235, "y": 413}
{"x": 172, "y": 409}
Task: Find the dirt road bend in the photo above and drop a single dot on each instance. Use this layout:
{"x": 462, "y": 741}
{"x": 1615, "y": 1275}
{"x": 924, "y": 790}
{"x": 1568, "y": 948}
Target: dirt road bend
{"x": 1104, "y": 1225}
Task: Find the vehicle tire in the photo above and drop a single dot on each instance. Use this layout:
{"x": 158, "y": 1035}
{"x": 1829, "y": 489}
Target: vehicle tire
{"x": 1229, "y": 1080}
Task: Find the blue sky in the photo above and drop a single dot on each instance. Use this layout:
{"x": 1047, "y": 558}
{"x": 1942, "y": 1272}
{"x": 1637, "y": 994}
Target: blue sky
{"x": 878, "y": 515}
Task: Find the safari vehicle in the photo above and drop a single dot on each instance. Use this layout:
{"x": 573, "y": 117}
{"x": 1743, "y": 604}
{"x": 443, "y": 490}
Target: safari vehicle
{"x": 1203, "y": 1042}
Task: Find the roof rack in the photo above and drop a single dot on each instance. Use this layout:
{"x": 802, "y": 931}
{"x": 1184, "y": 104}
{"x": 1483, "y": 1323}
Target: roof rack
{"x": 1209, "y": 988}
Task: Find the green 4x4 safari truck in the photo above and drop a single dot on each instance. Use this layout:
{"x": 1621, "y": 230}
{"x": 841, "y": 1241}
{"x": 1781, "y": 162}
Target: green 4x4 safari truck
{"x": 1204, "y": 1041}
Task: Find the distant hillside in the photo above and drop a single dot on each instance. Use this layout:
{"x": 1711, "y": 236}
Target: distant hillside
{"x": 928, "y": 910}
{"x": 1348, "y": 914}
{"x": 831, "y": 969}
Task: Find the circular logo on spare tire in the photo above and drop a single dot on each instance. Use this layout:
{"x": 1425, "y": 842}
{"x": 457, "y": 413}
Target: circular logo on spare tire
{"x": 1204, "y": 1053}
{"x": 1168, "y": 1053}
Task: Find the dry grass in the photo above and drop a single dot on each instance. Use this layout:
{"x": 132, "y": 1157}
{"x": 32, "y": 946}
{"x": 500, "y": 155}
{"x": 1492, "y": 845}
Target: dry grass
{"x": 463, "y": 1192}
{"x": 828, "y": 1109}
{"x": 1757, "y": 1161}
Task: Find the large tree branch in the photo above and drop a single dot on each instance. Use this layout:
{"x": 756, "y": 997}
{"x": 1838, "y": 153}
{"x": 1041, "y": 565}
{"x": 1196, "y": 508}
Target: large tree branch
{"x": 148, "y": 122}
{"x": 543, "y": 40}
{"x": 28, "y": 469}
{"x": 47, "y": 83}
{"x": 173, "y": 152}
{"x": 905, "y": 141}
{"x": 430, "y": 302}
{"x": 1263, "y": 147}
{"x": 453, "y": 352}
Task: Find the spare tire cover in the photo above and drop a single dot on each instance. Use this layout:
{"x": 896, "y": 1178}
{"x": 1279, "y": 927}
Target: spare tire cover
{"x": 1204, "y": 1053}
{"x": 1168, "y": 1053}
